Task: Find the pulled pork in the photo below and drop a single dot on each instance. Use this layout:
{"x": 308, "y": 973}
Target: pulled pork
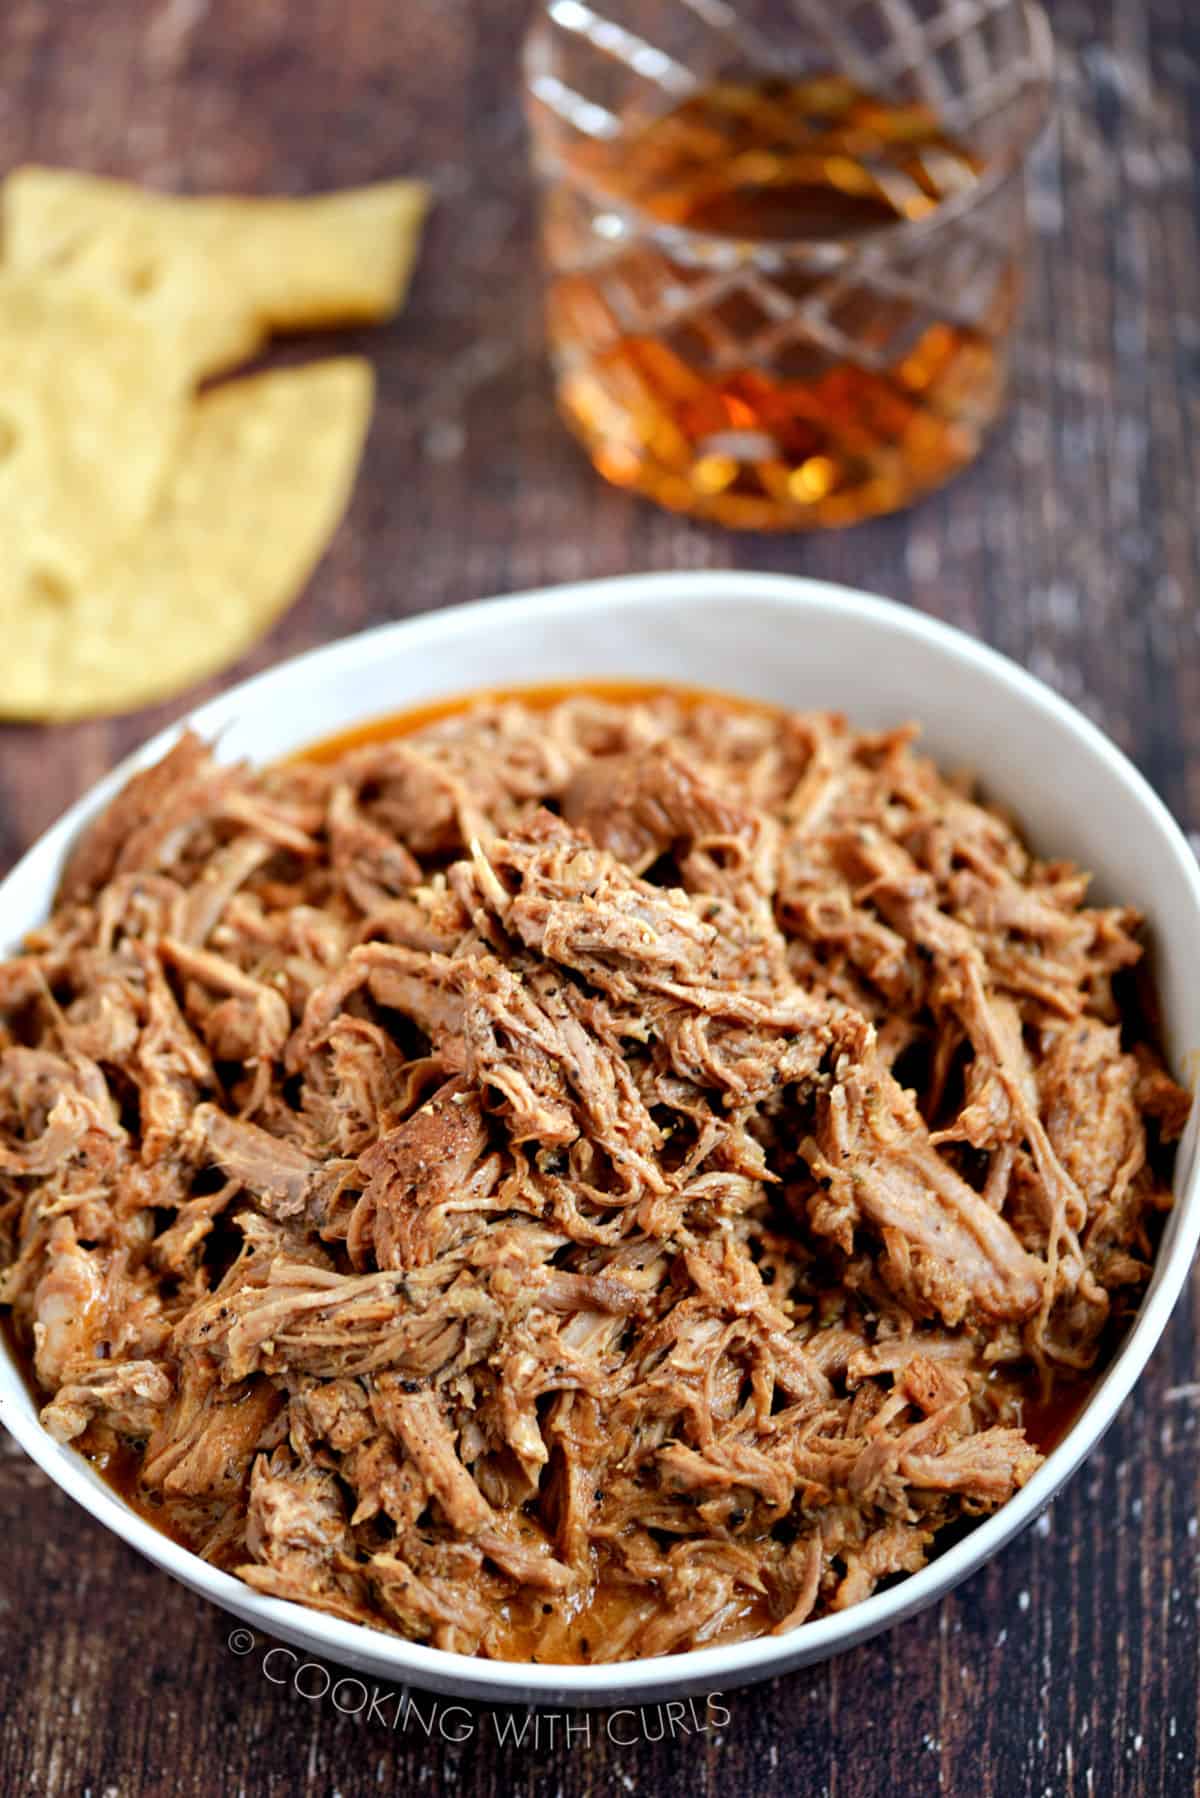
{"x": 579, "y": 1180}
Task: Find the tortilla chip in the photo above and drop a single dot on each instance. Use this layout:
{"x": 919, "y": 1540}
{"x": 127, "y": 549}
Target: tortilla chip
{"x": 114, "y": 239}
{"x": 90, "y": 409}
{"x": 264, "y": 471}
{"x": 219, "y": 274}
{"x": 332, "y": 259}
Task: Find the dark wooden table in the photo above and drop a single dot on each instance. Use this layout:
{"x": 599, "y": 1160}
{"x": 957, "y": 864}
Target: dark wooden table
{"x": 1072, "y": 1664}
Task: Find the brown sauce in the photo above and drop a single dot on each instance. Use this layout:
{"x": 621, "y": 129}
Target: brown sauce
{"x": 1047, "y": 1420}
{"x": 18, "y": 1354}
{"x": 120, "y": 1468}
{"x": 118, "y": 1465}
{"x": 539, "y": 696}
{"x": 594, "y": 1617}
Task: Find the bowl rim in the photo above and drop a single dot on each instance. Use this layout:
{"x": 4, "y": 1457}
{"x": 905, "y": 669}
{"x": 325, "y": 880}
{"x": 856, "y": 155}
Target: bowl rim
{"x": 700, "y": 1669}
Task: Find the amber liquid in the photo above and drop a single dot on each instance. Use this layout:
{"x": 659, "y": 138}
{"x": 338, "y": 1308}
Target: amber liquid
{"x": 783, "y": 393}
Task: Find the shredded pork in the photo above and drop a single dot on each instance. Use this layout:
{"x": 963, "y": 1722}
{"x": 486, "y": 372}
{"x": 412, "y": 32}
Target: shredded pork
{"x": 577, "y": 1181}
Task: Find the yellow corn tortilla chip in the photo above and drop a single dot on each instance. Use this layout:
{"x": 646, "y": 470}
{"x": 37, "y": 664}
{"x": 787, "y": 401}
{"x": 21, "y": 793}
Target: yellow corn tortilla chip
{"x": 90, "y": 408}
{"x": 329, "y": 259}
{"x": 111, "y": 238}
{"x": 220, "y": 273}
{"x": 264, "y": 470}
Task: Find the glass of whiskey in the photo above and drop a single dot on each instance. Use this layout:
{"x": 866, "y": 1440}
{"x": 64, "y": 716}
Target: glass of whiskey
{"x": 783, "y": 242}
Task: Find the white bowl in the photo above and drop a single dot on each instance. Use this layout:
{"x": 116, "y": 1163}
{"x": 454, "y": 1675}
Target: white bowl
{"x": 803, "y": 644}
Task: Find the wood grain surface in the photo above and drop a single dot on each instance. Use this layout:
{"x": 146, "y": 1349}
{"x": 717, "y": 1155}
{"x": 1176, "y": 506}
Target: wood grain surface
{"x": 1071, "y": 1665}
